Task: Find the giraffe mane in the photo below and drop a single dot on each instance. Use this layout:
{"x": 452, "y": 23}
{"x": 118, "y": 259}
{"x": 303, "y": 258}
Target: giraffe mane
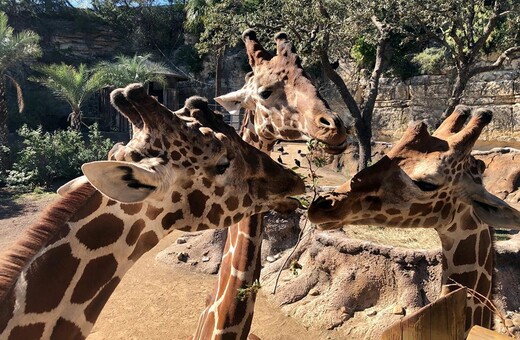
{"x": 50, "y": 222}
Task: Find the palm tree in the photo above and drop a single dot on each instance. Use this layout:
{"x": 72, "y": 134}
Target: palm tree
{"x": 137, "y": 69}
{"x": 74, "y": 85}
{"x": 15, "y": 49}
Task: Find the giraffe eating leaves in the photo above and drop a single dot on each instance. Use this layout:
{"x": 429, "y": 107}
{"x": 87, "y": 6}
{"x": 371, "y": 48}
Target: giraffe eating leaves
{"x": 432, "y": 181}
{"x": 186, "y": 170}
{"x": 281, "y": 103}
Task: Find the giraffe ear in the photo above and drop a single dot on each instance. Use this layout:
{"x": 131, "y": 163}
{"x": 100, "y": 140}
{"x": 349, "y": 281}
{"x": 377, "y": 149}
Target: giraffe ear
{"x": 233, "y": 101}
{"x": 495, "y": 212}
{"x": 121, "y": 181}
{"x": 72, "y": 185}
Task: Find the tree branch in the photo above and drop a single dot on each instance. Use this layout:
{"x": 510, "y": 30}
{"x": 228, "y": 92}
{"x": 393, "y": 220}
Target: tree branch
{"x": 510, "y": 53}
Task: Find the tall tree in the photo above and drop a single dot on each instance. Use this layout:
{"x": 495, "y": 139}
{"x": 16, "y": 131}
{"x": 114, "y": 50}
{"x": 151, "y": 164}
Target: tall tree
{"x": 217, "y": 22}
{"x": 15, "y": 49}
{"x": 74, "y": 85}
{"x": 466, "y": 30}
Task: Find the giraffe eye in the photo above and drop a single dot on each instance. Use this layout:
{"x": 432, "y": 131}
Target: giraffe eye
{"x": 425, "y": 186}
{"x": 222, "y": 166}
{"x": 265, "y": 94}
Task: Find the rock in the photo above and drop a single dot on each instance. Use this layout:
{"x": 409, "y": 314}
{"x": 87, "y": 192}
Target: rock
{"x": 277, "y": 256}
{"x": 280, "y": 233}
{"x": 183, "y": 257}
{"x": 270, "y": 258}
{"x": 398, "y": 310}
{"x": 516, "y": 320}
{"x": 508, "y": 323}
{"x": 181, "y": 240}
{"x": 209, "y": 243}
{"x": 205, "y": 259}
{"x": 371, "y": 313}
{"x": 314, "y": 292}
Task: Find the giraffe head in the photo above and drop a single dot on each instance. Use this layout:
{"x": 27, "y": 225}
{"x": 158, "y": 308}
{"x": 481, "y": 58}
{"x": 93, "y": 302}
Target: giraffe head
{"x": 285, "y": 103}
{"x": 191, "y": 163}
{"x": 424, "y": 181}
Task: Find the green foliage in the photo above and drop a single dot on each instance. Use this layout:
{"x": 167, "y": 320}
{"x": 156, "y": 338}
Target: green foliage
{"x": 126, "y": 70}
{"x": 74, "y": 85}
{"x": 363, "y": 53}
{"x": 244, "y": 293}
{"x": 49, "y": 156}
{"x": 187, "y": 55}
{"x": 147, "y": 24}
{"x": 16, "y": 48}
{"x": 431, "y": 60}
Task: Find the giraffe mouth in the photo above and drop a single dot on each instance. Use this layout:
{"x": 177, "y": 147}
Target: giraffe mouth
{"x": 335, "y": 149}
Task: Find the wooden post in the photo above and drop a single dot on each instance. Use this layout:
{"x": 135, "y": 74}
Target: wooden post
{"x": 481, "y": 333}
{"x": 442, "y": 319}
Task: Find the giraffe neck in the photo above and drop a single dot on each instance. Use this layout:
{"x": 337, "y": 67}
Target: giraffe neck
{"x": 468, "y": 255}
{"x": 61, "y": 290}
{"x": 225, "y": 316}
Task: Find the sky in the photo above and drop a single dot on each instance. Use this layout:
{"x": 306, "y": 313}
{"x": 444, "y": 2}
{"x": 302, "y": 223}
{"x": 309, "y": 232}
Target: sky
{"x": 80, "y": 3}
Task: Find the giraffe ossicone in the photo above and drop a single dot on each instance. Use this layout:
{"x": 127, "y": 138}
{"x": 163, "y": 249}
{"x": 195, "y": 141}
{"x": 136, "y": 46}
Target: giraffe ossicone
{"x": 185, "y": 170}
{"x": 432, "y": 181}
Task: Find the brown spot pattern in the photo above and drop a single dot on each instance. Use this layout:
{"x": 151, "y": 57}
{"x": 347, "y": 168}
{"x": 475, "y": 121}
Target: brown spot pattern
{"x": 176, "y": 197}
{"x": 465, "y": 252}
{"x": 65, "y": 329}
{"x": 96, "y": 274}
{"x": 152, "y": 212}
{"x": 197, "y": 201}
{"x": 92, "y": 205}
{"x": 96, "y": 305}
{"x": 170, "y": 219}
{"x": 33, "y": 331}
{"x": 232, "y": 203}
{"x": 51, "y": 273}
{"x": 131, "y": 209}
{"x": 483, "y": 247}
{"x": 215, "y": 213}
{"x": 135, "y": 231}
{"x": 146, "y": 242}
{"x": 102, "y": 231}
{"x": 7, "y": 309}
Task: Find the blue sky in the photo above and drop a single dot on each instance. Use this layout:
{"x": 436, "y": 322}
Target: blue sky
{"x": 80, "y": 3}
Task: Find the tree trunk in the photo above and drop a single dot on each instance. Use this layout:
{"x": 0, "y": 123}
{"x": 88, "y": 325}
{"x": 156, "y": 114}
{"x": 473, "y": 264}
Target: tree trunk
{"x": 75, "y": 119}
{"x": 363, "y": 132}
{"x": 456, "y": 94}
{"x": 4, "y": 132}
{"x": 218, "y": 74}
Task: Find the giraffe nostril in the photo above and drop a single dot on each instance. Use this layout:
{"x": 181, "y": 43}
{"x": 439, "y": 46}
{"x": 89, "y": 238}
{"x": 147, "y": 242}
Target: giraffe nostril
{"x": 326, "y": 122}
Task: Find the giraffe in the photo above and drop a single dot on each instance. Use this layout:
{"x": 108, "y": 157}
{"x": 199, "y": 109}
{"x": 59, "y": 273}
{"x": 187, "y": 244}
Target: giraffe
{"x": 432, "y": 181}
{"x": 186, "y": 170}
{"x": 281, "y": 104}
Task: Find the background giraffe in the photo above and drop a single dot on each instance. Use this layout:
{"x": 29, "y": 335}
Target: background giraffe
{"x": 432, "y": 181}
{"x": 186, "y": 170}
{"x": 281, "y": 104}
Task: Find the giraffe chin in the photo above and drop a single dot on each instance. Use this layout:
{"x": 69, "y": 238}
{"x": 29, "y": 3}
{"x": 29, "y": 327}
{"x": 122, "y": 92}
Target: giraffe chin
{"x": 330, "y": 225}
{"x": 287, "y": 206}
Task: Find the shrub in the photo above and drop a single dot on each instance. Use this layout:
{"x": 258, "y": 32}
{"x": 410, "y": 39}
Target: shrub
{"x": 431, "y": 60}
{"x": 49, "y": 156}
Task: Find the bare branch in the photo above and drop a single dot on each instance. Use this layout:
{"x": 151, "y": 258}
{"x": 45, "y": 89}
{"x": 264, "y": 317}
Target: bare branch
{"x": 510, "y": 53}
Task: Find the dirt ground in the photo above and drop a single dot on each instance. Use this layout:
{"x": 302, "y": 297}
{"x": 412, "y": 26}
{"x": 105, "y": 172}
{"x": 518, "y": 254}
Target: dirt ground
{"x": 153, "y": 301}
